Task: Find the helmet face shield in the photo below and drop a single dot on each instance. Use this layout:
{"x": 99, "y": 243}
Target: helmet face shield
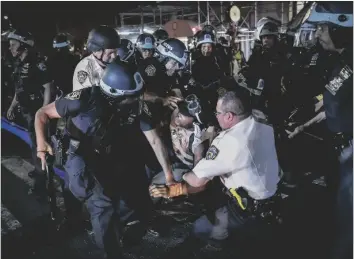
{"x": 194, "y": 107}
{"x": 305, "y": 38}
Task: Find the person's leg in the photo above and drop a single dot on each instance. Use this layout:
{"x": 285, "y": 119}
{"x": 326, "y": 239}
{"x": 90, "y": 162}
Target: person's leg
{"x": 105, "y": 222}
{"x": 343, "y": 243}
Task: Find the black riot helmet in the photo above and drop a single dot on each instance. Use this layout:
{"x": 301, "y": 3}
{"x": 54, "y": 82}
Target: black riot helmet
{"x": 145, "y": 41}
{"x": 205, "y": 37}
{"x": 173, "y": 49}
{"x": 160, "y": 35}
{"x": 209, "y": 29}
{"x": 126, "y": 49}
{"x": 117, "y": 81}
{"x": 61, "y": 41}
{"x": 24, "y": 37}
{"x": 103, "y": 37}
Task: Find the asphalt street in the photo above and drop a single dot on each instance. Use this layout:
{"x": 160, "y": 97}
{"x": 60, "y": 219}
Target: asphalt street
{"x": 28, "y": 233}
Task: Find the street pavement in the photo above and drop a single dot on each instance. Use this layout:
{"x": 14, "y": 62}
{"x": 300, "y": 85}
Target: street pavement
{"x": 27, "y": 231}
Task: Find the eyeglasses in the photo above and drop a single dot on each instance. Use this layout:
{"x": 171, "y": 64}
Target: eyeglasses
{"x": 218, "y": 113}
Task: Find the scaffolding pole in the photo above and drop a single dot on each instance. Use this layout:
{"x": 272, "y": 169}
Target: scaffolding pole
{"x": 208, "y": 14}
{"x": 142, "y": 21}
{"x": 198, "y": 13}
{"x": 255, "y": 14}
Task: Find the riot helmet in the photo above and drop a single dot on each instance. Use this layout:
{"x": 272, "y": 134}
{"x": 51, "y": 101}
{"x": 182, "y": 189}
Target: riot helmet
{"x": 121, "y": 88}
{"x": 267, "y": 26}
{"x": 103, "y": 37}
{"x": 338, "y": 16}
{"x": 126, "y": 49}
{"x": 173, "y": 54}
{"x": 305, "y": 36}
{"x": 145, "y": 44}
{"x": 209, "y": 29}
{"x": 25, "y": 39}
{"x": 61, "y": 41}
{"x": 160, "y": 35}
{"x": 205, "y": 37}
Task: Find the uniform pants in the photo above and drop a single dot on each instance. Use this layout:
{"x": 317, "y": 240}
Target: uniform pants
{"x": 343, "y": 244}
{"x": 217, "y": 227}
{"x": 132, "y": 188}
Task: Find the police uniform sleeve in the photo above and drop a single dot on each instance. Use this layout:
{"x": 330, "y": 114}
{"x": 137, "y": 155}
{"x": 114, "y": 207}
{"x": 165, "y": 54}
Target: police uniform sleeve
{"x": 81, "y": 76}
{"x": 146, "y": 120}
{"x": 71, "y": 104}
{"x": 224, "y": 156}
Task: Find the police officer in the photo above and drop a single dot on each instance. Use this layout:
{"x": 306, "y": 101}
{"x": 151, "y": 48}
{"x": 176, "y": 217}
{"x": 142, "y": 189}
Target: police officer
{"x": 103, "y": 43}
{"x": 334, "y": 32}
{"x": 145, "y": 44}
{"x": 62, "y": 63}
{"x": 173, "y": 56}
{"x": 206, "y": 69}
{"x": 265, "y": 69}
{"x": 33, "y": 89}
{"x": 102, "y": 121}
{"x": 231, "y": 158}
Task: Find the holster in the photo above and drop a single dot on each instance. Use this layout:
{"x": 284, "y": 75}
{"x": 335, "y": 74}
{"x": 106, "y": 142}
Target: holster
{"x": 60, "y": 143}
{"x": 266, "y": 210}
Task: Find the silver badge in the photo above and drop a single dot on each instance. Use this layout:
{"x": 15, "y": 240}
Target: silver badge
{"x": 74, "y": 95}
{"x": 337, "y": 82}
{"x": 82, "y": 76}
{"x": 150, "y": 70}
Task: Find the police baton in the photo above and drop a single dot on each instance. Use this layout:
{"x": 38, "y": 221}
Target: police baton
{"x": 50, "y": 186}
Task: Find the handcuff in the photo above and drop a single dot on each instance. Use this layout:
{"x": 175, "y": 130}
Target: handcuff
{"x": 193, "y": 106}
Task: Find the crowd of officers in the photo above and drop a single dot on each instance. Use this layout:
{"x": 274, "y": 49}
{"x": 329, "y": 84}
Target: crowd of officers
{"x": 149, "y": 120}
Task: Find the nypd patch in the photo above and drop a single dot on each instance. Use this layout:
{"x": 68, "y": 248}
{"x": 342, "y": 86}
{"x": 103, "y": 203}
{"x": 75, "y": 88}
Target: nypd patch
{"x": 82, "y": 76}
{"x": 336, "y": 83}
{"x": 150, "y": 70}
{"x": 212, "y": 153}
{"x": 74, "y": 95}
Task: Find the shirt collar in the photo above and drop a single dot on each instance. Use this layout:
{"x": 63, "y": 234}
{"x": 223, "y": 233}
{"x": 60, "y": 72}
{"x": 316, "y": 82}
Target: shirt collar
{"x": 242, "y": 124}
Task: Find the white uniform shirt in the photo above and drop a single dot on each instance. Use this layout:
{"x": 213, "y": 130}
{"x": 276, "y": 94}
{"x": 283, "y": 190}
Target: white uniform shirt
{"x": 87, "y": 73}
{"x": 243, "y": 156}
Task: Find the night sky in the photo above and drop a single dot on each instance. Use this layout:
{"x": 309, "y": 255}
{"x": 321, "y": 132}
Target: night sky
{"x": 43, "y": 18}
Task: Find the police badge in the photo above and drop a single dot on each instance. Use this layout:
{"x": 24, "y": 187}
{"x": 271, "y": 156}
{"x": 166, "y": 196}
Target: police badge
{"x": 212, "y": 153}
{"x": 82, "y": 76}
{"x": 337, "y": 82}
{"x": 150, "y": 70}
{"x": 42, "y": 66}
{"x": 74, "y": 95}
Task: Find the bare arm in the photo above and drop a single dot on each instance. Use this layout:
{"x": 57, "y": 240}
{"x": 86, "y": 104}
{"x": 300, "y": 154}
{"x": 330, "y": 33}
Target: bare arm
{"x": 199, "y": 152}
{"x": 14, "y": 102}
{"x": 48, "y": 93}
{"x": 42, "y": 117}
{"x": 317, "y": 119}
{"x": 161, "y": 153}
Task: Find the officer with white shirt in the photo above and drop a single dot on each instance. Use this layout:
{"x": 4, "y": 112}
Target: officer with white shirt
{"x": 103, "y": 42}
{"x": 243, "y": 155}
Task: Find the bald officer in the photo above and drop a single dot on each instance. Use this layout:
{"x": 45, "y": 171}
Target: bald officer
{"x": 242, "y": 155}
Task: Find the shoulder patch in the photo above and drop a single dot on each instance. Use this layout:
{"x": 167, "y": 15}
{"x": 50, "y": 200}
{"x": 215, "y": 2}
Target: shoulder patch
{"x": 150, "y": 70}
{"x": 74, "y": 95}
{"x": 212, "y": 153}
{"x": 82, "y": 76}
{"x": 42, "y": 66}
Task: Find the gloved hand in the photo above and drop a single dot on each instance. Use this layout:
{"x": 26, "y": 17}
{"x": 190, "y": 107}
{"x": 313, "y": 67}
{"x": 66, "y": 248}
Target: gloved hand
{"x": 170, "y": 191}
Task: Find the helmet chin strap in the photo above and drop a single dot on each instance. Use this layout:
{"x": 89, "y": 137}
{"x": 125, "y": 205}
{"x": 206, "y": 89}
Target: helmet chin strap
{"x": 100, "y": 59}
